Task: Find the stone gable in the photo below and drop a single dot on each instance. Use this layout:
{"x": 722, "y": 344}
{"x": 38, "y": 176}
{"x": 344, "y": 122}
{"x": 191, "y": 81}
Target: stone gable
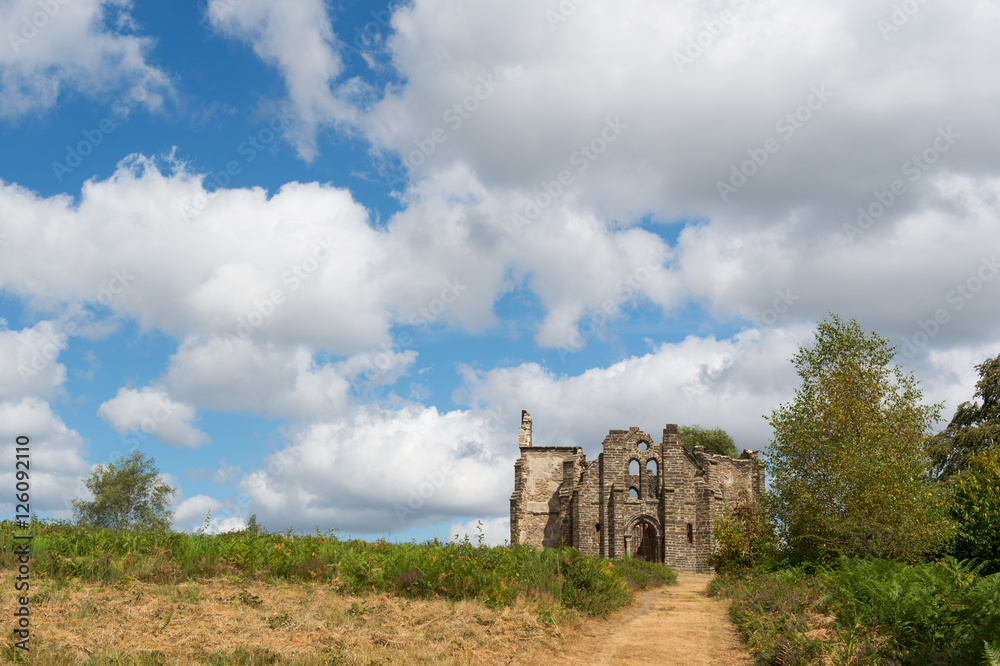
{"x": 652, "y": 500}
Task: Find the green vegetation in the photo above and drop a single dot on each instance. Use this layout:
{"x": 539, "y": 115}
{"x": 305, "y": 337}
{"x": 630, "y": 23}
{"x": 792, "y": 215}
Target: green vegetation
{"x": 744, "y": 537}
{"x": 715, "y": 440}
{"x": 975, "y": 427}
{"x": 849, "y": 467}
{"x": 868, "y": 612}
{"x": 851, "y": 559}
{"x": 497, "y": 576}
{"x": 976, "y": 508}
{"x": 126, "y": 496}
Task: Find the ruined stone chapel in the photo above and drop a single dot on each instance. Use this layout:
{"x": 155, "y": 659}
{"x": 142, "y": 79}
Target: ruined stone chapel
{"x": 654, "y": 501}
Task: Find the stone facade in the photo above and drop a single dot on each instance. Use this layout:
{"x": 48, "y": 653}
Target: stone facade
{"x": 656, "y": 501}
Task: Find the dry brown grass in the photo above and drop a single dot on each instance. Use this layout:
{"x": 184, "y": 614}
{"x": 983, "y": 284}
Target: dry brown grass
{"x": 227, "y": 620}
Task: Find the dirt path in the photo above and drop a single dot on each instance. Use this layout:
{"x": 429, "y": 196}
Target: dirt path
{"x": 676, "y": 624}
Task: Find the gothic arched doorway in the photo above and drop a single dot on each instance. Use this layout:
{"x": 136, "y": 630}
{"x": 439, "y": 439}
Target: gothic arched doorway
{"x": 644, "y": 541}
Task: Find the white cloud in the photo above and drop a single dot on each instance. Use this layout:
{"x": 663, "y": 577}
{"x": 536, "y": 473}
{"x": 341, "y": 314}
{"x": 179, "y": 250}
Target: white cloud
{"x": 153, "y": 411}
{"x": 57, "y": 464}
{"x": 493, "y": 531}
{"x": 238, "y": 376}
{"x": 728, "y": 383}
{"x": 29, "y": 361}
{"x": 81, "y": 46}
{"x": 688, "y": 125}
{"x": 189, "y": 516}
{"x": 298, "y": 39}
{"x": 310, "y": 243}
{"x": 381, "y": 471}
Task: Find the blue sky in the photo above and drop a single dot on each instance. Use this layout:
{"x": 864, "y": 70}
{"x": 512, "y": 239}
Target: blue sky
{"x": 314, "y": 258}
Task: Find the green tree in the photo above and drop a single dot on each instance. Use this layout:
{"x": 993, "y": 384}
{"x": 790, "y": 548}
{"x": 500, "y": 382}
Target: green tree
{"x": 128, "y": 495}
{"x": 743, "y": 537}
{"x": 848, "y": 464}
{"x": 715, "y": 440}
{"x": 974, "y": 428}
{"x": 976, "y": 508}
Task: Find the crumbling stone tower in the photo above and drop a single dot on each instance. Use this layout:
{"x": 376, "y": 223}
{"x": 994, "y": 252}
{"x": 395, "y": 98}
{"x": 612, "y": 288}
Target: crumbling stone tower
{"x": 654, "y": 501}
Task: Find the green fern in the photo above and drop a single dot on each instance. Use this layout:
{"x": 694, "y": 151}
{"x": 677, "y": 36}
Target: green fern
{"x": 991, "y": 654}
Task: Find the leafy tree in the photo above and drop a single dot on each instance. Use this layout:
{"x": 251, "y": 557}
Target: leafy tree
{"x": 974, "y": 428}
{"x": 976, "y": 508}
{"x": 715, "y": 440}
{"x": 127, "y": 496}
{"x": 849, "y": 466}
{"x": 744, "y": 536}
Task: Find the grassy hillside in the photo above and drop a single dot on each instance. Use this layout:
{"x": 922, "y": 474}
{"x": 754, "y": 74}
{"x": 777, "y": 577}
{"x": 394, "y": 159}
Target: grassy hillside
{"x": 162, "y": 578}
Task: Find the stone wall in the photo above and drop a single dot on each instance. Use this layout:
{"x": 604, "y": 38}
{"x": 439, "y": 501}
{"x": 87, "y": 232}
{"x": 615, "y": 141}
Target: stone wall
{"x": 535, "y": 508}
{"x": 561, "y": 498}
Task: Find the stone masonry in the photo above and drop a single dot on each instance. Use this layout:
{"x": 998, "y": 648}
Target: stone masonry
{"x": 655, "y": 501}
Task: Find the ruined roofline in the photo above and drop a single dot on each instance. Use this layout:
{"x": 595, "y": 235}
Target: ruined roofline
{"x": 524, "y": 433}
{"x": 578, "y": 449}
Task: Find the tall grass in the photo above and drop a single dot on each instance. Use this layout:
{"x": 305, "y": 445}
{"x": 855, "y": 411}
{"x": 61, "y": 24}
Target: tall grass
{"x": 869, "y": 612}
{"x": 497, "y": 576}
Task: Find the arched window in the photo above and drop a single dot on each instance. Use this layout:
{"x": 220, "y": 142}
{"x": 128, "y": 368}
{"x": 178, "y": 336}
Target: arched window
{"x": 633, "y": 493}
{"x": 651, "y": 467}
{"x": 633, "y": 467}
{"x": 643, "y": 446}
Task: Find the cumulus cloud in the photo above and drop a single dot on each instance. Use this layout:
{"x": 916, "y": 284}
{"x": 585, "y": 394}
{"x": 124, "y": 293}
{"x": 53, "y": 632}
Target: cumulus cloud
{"x": 293, "y": 267}
{"x": 153, "y": 411}
{"x": 385, "y": 470}
{"x": 29, "y": 360}
{"x": 821, "y": 80}
{"x": 307, "y": 268}
{"x": 237, "y": 376}
{"x": 83, "y": 46}
{"x": 728, "y": 383}
{"x": 297, "y": 39}
{"x": 57, "y": 452}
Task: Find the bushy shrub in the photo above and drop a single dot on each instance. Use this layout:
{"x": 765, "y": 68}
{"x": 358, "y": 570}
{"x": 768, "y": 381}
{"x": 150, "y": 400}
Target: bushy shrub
{"x": 744, "y": 537}
{"x": 976, "y": 509}
{"x": 868, "y": 612}
{"x": 936, "y": 613}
